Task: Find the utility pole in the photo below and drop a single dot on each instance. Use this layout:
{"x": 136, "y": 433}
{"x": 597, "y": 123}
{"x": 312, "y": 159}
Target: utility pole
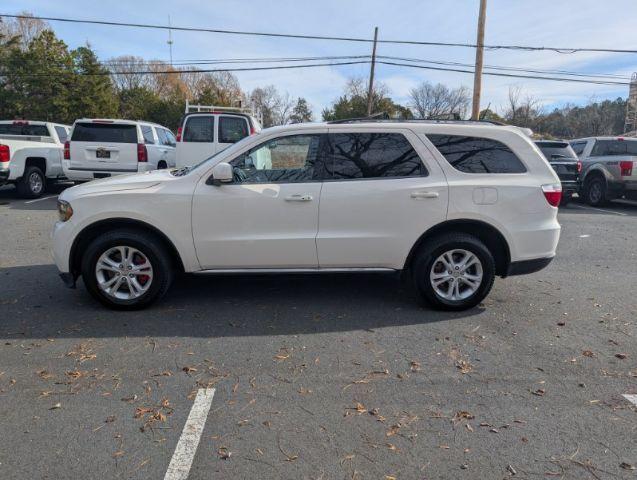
{"x": 371, "y": 74}
{"x": 170, "y": 42}
{"x": 477, "y": 75}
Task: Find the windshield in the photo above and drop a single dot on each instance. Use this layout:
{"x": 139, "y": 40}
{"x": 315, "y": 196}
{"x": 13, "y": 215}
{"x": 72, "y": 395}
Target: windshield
{"x": 557, "y": 150}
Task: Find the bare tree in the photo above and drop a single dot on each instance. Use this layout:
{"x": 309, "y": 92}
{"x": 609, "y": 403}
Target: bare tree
{"x": 274, "y": 108}
{"x": 124, "y": 72}
{"x": 439, "y": 101}
{"x": 24, "y": 29}
{"x": 522, "y": 110}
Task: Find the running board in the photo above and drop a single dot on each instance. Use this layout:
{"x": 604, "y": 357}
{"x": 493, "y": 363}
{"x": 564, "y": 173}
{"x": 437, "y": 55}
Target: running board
{"x": 293, "y": 270}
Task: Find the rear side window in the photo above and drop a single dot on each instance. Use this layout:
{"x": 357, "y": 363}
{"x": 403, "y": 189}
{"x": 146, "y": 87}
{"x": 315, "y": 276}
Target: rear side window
{"x": 232, "y": 129}
{"x": 162, "y": 136}
{"x": 578, "y": 147}
{"x": 372, "y": 155}
{"x": 170, "y": 138}
{"x": 17, "y": 129}
{"x": 104, "y": 132}
{"x": 62, "y": 134}
{"x": 604, "y": 148}
{"x": 200, "y": 128}
{"x": 147, "y": 132}
{"x": 476, "y": 154}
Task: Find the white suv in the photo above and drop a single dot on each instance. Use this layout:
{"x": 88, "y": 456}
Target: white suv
{"x": 452, "y": 204}
{"x": 101, "y": 148}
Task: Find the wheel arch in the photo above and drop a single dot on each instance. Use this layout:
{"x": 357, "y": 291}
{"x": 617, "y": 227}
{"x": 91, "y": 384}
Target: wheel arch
{"x": 39, "y": 162}
{"x": 90, "y": 232}
{"x": 594, "y": 171}
{"x": 485, "y": 232}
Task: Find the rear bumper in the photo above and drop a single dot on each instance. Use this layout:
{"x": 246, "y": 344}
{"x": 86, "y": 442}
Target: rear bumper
{"x": 524, "y": 267}
{"x": 4, "y": 176}
{"x": 86, "y": 175}
{"x": 569, "y": 187}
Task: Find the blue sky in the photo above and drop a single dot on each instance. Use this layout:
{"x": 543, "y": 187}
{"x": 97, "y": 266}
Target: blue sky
{"x": 569, "y": 23}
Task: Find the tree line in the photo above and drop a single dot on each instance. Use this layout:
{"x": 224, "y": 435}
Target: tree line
{"x": 41, "y": 78}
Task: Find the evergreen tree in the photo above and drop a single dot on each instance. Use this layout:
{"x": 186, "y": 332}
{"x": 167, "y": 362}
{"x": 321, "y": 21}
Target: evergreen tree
{"x": 301, "y": 112}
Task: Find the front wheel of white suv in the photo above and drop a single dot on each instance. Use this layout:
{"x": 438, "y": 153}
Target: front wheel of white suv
{"x": 127, "y": 269}
{"x": 453, "y": 272}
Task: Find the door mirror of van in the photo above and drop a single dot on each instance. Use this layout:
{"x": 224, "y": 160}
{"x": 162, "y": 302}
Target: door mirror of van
{"x": 221, "y": 173}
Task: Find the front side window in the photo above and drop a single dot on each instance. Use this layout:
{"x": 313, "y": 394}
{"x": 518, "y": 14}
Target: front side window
{"x": 147, "y": 132}
{"x": 605, "y": 148}
{"x": 63, "y": 134}
{"x": 200, "y": 128}
{"x": 372, "y": 155}
{"x": 232, "y": 129}
{"x": 477, "y": 154}
{"x": 291, "y": 159}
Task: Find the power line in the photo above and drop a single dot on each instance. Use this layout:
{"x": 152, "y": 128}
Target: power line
{"x": 509, "y": 75}
{"x": 565, "y": 50}
{"x": 173, "y": 72}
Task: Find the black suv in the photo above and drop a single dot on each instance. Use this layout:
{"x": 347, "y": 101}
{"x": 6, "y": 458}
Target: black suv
{"x": 564, "y": 161}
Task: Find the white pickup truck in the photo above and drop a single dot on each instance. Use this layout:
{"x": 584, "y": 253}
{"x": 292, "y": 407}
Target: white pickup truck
{"x": 31, "y": 154}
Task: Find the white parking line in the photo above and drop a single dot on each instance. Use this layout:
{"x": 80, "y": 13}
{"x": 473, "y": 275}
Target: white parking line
{"x": 599, "y": 209}
{"x": 631, "y": 398}
{"x": 180, "y": 464}
{"x": 40, "y": 199}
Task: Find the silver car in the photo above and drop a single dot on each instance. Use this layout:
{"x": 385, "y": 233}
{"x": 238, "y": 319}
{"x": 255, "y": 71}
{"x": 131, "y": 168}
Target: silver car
{"x": 609, "y": 168}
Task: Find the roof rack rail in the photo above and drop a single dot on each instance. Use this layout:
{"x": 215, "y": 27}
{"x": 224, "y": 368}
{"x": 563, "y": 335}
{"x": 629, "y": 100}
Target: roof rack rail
{"x": 383, "y": 117}
{"x": 190, "y": 108}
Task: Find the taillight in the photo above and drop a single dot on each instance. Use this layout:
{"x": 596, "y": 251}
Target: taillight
{"x": 626, "y": 168}
{"x": 552, "y": 193}
{"x": 5, "y": 153}
{"x": 179, "y": 134}
{"x": 579, "y": 166}
{"x": 252, "y": 130}
{"x": 142, "y": 153}
{"x": 67, "y": 150}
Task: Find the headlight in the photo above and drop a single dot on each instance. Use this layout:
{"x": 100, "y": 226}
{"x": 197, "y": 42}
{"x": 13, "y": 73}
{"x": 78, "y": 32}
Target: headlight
{"x": 65, "y": 211}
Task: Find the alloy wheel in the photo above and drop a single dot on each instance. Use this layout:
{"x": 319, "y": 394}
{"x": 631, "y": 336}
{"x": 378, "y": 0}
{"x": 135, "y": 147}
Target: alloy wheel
{"x": 456, "y": 275}
{"x": 123, "y": 273}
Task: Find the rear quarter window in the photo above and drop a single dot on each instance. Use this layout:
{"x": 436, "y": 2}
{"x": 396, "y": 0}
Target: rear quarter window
{"x": 104, "y": 132}
{"x": 147, "y": 132}
{"x": 477, "y": 154}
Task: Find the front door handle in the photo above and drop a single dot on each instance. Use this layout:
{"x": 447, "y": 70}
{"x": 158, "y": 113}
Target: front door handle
{"x": 425, "y": 194}
{"x": 299, "y": 198}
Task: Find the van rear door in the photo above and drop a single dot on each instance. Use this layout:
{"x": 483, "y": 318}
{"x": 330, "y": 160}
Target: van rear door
{"x": 232, "y": 128}
{"x": 104, "y": 146}
{"x": 197, "y": 140}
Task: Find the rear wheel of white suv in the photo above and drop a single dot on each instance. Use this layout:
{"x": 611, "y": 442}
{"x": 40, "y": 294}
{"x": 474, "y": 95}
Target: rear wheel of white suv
{"x": 453, "y": 271}
{"x": 127, "y": 269}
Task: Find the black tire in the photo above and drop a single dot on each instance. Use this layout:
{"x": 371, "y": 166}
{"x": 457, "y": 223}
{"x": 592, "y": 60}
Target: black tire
{"x": 146, "y": 243}
{"x": 424, "y": 261}
{"x": 162, "y": 165}
{"x": 595, "y": 192}
{"x": 27, "y": 188}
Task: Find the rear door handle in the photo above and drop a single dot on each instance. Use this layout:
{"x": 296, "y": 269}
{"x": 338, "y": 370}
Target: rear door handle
{"x": 425, "y": 194}
{"x": 299, "y": 198}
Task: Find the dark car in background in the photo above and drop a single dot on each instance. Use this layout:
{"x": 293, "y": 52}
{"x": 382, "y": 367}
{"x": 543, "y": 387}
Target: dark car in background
{"x": 564, "y": 161}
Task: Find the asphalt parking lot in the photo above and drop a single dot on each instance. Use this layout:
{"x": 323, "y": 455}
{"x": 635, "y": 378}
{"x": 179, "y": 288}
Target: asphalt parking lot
{"x": 324, "y": 377}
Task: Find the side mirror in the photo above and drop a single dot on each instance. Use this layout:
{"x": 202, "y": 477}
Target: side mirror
{"x": 221, "y": 173}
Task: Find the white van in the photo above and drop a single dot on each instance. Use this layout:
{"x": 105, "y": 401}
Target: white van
{"x": 101, "y": 148}
{"x": 207, "y": 129}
